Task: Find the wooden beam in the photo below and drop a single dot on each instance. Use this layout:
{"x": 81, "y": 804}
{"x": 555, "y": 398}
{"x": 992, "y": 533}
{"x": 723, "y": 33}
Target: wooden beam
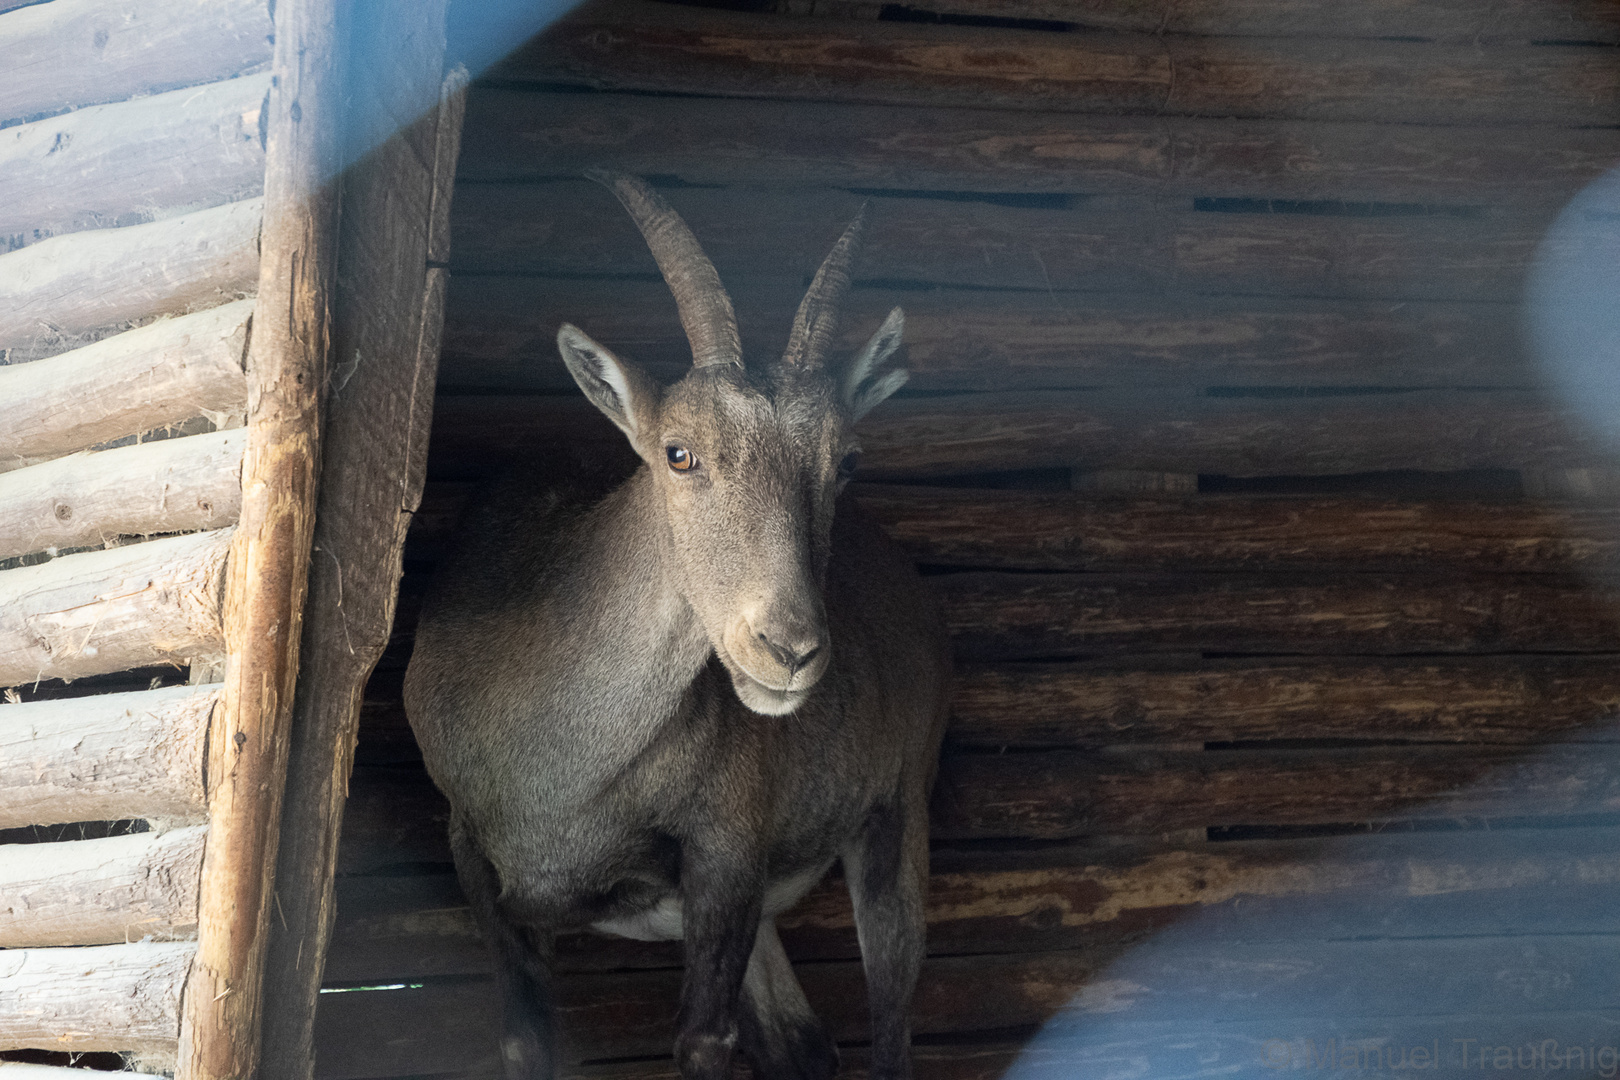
{"x": 107, "y": 757}
{"x": 1458, "y": 22}
{"x": 501, "y": 334}
{"x": 133, "y": 162}
{"x": 289, "y": 361}
{"x": 134, "y": 382}
{"x": 1114, "y": 244}
{"x": 390, "y": 307}
{"x": 17, "y": 1070}
{"x": 167, "y": 486}
{"x": 94, "y": 892}
{"x": 1289, "y": 435}
{"x": 529, "y": 135}
{"x": 70, "y": 285}
{"x": 105, "y": 997}
{"x": 71, "y": 53}
{"x": 631, "y": 45}
{"x": 105, "y": 611}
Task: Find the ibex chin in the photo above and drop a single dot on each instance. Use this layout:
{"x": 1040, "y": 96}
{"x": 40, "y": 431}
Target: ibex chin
{"x": 664, "y": 713}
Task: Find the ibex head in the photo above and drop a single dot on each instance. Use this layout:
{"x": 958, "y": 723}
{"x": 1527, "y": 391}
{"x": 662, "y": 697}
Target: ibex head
{"x": 749, "y": 458}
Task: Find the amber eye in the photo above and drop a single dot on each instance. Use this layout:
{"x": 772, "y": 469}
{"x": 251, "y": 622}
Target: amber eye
{"x": 846, "y": 468}
{"x": 680, "y": 458}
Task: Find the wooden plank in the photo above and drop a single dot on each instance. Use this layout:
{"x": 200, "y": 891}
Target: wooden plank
{"x": 1025, "y": 530}
{"x": 17, "y": 1070}
{"x": 501, "y": 334}
{"x": 108, "y": 757}
{"x": 94, "y": 892}
{"x": 441, "y": 1027}
{"x": 389, "y": 306}
{"x": 669, "y": 48}
{"x": 133, "y": 162}
{"x": 527, "y": 135}
{"x": 1025, "y": 616}
{"x": 134, "y": 382}
{"x": 1438, "y": 431}
{"x": 105, "y": 997}
{"x": 408, "y": 929}
{"x": 168, "y": 486}
{"x": 1457, "y": 21}
{"x": 71, "y": 285}
{"x": 1497, "y": 699}
{"x": 103, "y": 611}
{"x": 71, "y": 53}
{"x": 1104, "y": 243}
{"x": 289, "y": 367}
{"x": 1061, "y": 794}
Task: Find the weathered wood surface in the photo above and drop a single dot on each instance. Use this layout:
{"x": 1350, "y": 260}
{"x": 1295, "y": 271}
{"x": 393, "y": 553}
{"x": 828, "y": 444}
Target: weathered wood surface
{"x": 1505, "y": 699}
{"x": 17, "y": 1070}
{"x": 167, "y": 486}
{"x": 1024, "y": 616}
{"x": 628, "y": 45}
{"x": 128, "y": 384}
{"x": 103, "y": 611}
{"x": 536, "y": 135}
{"x": 393, "y": 929}
{"x": 107, "y": 757}
{"x": 1437, "y": 430}
{"x": 70, "y": 285}
{"x": 93, "y": 892}
{"x": 453, "y": 1026}
{"x": 1459, "y": 21}
{"x": 104, "y": 997}
{"x": 289, "y": 367}
{"x": 1106, "y": 243}
{"x": 70, "y": 53}
{"x": 133, "y": 162}
{"x": 501, "y": 334}
{"x": 389, "y": 310}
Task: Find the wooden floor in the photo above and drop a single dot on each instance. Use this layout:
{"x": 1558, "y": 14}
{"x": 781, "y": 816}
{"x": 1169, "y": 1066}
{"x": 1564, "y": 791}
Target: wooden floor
{"x": 1282, "y": 590}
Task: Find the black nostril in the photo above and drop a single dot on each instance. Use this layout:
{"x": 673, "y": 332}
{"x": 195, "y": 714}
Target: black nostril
{"x": 787, "y": 657}
{"x": 807, "y": 656}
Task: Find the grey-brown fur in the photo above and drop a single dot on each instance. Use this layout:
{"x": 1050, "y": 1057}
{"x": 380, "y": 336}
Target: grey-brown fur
{"x": 667, "y": 711}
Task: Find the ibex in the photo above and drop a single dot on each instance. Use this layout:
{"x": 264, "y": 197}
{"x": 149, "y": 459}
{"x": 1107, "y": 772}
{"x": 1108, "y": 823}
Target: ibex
{"x": 664, "y": 713}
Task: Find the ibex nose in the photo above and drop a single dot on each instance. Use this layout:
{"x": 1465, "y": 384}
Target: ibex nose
{"x": 792, "y": 655}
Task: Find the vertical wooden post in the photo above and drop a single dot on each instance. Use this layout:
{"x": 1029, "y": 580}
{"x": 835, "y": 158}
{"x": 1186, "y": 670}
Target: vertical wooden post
{"x": 264, "y": 602}
{"x": 390, "y": 309}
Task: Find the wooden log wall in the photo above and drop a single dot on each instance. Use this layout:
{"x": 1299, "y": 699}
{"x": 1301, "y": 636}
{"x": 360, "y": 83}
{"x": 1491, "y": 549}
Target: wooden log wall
{"x": 134, "y": 160}
{"x": 1279, "y": 693}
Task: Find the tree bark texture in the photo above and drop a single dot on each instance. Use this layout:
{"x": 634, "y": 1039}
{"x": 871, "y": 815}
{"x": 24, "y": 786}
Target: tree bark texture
{"x": 103, "y": 997}
{"x": 108, "y": 757}
{"x": 128, "y": 384}
{"x": 72, "y": 285}
{"x": 167, "y": 486}
{"x": 94, "y": 892}
{"x": 288, "y": 369}
{"x": 103, "y": 611}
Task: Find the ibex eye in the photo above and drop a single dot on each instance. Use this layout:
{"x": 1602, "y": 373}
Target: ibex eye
{"x": 846, "y": 468}
{"x": 680, "y": 459}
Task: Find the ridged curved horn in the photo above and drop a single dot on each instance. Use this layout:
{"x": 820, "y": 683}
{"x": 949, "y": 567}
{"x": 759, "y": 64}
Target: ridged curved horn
{"x": 817, "y": 320}
{"x": 705, "y": 309}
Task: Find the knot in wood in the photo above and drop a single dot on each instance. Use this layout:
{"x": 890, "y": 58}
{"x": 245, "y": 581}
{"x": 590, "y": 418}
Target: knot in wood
{"x": 64, "y": 512}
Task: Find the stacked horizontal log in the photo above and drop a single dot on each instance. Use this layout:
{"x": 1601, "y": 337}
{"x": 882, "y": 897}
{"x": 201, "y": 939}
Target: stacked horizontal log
{"x": 134, "y": 159}
{"x": 1214, "y": 759}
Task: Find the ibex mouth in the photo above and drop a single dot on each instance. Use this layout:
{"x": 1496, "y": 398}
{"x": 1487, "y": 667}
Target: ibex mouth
{"x": 762, "y": 697}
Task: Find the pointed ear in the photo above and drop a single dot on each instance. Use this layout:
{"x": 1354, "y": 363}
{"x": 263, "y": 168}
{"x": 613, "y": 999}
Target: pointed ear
{"x": 622, "y": 391}
{"x": 866, "y": 383}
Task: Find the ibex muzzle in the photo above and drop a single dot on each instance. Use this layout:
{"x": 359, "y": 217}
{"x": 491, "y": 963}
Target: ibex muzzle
{"x": 589, "y": 676}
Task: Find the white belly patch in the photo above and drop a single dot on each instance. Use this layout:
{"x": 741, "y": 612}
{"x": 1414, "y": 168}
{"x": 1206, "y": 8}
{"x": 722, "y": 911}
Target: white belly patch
{"x": 661, "y": 922}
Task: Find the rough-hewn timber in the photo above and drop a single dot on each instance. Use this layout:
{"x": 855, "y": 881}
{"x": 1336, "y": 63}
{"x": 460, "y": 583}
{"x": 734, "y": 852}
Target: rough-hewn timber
{"x": 94, "y": 892}
{"x": 104, "y": 997}
{"x": 104, "y": 611}
{"x": 71, "y": 285}
{"x": 134, "y": 382}
{"x": 107, "y": 757}
{"x": 133, "y": 162}
{"x": 70, "y": 53}
{"x": 289, "y": 365}
{"x": 628, "y": 45}
{"x": 167, "y": 486}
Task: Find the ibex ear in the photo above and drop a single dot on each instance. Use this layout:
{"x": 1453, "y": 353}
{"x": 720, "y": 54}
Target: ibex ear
{"x": 620, "y": 390}
{"x": 866, "y": 383}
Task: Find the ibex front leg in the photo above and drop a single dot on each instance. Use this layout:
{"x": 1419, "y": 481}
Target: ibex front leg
{"x": 721, "y": 886}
